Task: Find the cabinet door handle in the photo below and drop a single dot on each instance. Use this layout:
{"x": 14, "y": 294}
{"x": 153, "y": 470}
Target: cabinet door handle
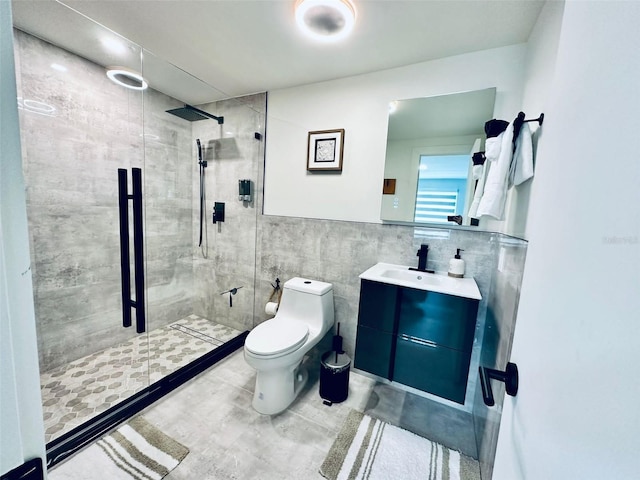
{"x": 419, "y": 341}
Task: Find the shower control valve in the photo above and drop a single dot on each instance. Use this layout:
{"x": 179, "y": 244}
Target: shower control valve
{"x": 218, "y": 212}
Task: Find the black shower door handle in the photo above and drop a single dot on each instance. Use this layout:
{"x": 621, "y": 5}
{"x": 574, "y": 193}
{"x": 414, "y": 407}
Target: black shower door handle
{"x": 138, "y": 248}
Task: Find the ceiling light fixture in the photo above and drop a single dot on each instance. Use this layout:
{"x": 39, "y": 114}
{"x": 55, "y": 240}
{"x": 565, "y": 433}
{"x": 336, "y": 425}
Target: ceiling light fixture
{"x": 325, "y": 20}
{"x": 126, "y": 78}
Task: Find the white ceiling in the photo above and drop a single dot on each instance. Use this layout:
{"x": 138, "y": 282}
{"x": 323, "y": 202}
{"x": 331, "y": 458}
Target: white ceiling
{"x": 247, "y": 46}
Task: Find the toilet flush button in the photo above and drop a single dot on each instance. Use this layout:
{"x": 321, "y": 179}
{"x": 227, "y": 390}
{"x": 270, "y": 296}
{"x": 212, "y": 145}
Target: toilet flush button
{"x": 307, "y": 282}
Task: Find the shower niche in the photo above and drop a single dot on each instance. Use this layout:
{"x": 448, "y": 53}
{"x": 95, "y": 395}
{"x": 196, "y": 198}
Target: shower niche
{"x": 93, "y": 361}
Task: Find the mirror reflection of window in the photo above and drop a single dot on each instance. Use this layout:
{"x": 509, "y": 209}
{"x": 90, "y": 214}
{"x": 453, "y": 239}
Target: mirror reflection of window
{"x": 442, "y": 187}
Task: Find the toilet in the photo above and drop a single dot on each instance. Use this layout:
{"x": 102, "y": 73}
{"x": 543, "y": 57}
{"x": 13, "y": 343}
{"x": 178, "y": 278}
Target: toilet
{"x": 276, "y": 347}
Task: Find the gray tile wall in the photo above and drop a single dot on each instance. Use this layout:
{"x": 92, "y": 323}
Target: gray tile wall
{"x": 502, "y": 306}
{"x": 337, "y": 252}
{"x": 168, "y": 174}
{"x": 227, "y": 258}
{"x": 70, "y": 163}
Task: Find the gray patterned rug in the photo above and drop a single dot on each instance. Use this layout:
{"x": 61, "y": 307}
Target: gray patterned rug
{"x": 367, "y": 448}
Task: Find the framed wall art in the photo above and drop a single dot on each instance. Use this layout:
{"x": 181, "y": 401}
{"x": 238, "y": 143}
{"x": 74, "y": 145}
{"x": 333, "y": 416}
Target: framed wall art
{"x": 324, "y": 150}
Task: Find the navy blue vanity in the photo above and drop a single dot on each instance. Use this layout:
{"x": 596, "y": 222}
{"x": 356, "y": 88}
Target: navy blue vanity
{"x": 411, "y": 332}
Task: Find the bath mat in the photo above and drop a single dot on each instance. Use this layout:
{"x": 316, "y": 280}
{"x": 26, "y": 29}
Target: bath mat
{"x": 367, "y": 448}
{"x": 136, "y": 450}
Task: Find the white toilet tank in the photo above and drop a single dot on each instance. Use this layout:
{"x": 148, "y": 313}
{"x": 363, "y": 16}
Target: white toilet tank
{"x": 309, "y": 301}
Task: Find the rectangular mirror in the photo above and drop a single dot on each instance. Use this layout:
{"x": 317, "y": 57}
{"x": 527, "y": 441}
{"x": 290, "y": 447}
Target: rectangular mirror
{"x": 428, "y": 165}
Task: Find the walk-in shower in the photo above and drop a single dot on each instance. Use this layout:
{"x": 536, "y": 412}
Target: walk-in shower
{"x": 123, "y": 318}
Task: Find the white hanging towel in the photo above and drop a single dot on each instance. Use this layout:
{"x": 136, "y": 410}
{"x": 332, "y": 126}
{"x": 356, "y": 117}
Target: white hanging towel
{"x": 479, "y": 160}
{"x": 492, "y": 147}
{"x": 473, "y": 209}
{"x": 522, "y": 164}
{"x": 495, "y": 188}
{"x": 477, "y": 171}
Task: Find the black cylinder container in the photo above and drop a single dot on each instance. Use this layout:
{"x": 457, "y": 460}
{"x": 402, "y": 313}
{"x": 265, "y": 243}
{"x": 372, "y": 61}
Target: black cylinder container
{"x": 334, "y": 376}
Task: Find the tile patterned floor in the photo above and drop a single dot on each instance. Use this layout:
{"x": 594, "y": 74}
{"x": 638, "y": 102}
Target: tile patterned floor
{"x": 73, "y": 393}
{"x": 227, "y": 439}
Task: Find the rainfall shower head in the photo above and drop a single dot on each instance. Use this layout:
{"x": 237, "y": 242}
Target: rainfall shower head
{"x": 194, "y": 114}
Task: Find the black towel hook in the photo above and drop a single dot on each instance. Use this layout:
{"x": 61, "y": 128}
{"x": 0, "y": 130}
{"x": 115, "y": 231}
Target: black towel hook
{"x": 509, "y": 377}
{"x": 520, "y": 119}
{"x": 540, "y": 119}
{"x": 517, "y": 125}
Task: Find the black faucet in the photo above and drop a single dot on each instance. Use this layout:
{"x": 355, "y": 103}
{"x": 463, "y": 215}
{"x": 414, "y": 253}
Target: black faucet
{"x": 422, "y": 259}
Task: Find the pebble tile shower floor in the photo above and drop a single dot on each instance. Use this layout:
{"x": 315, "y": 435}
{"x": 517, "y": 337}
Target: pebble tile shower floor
{"x": 73, "y": 393}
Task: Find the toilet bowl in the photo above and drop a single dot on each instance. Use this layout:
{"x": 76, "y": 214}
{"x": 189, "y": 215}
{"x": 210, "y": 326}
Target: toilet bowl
{"x": 276, "y": 347}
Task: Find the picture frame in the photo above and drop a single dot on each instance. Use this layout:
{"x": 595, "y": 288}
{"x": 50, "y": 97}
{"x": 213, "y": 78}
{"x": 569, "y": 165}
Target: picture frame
{"x": 325, "y": 149}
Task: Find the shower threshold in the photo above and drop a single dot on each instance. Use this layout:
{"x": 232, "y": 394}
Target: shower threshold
{"x": 94, "y": 393}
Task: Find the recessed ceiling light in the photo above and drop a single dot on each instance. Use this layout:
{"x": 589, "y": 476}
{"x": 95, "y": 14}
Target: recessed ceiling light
{"x": 326, "y": 20}
{"x": 58, "y": 67}
{"x": 127, "y": 78}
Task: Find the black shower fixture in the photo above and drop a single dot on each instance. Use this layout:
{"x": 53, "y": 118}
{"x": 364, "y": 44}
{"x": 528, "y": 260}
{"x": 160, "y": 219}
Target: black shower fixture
{"x": 194, "y": 114}
{"x": 202, "y": 165}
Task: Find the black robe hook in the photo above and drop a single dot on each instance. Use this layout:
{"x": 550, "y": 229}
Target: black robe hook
{"x": 517, "y": 125}
{"x": 509, "y": 376}
{"x": 540, "y": 119}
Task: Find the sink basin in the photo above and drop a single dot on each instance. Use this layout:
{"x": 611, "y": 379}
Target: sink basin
{"x": 412, "y": 276}
{"x": 434, "y": 282}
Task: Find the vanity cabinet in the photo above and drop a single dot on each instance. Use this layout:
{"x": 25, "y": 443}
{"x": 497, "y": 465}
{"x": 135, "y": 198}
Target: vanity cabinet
{"x": 419, "y": 338}
{"x": 375, "y": 341}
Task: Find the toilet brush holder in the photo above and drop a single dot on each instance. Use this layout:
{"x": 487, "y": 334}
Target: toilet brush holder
{"x": 336, "y": 344}
{"x": 334, "y": 373}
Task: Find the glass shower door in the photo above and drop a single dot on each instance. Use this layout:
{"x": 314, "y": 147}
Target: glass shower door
{"x": 77, "y": 129}
{"x": 191, "y": 162}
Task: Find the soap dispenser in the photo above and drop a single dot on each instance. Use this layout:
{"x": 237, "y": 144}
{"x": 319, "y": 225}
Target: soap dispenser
{"x": 456, "y": 265}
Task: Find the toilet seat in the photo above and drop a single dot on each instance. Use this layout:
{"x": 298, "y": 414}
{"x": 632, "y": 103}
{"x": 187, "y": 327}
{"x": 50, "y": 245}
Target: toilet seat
{"x": 276, "y": 337}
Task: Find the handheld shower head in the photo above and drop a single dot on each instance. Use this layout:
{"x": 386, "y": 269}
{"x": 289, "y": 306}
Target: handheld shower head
{"x": 199, "y": 150}
{"x": 202, "y": 164}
